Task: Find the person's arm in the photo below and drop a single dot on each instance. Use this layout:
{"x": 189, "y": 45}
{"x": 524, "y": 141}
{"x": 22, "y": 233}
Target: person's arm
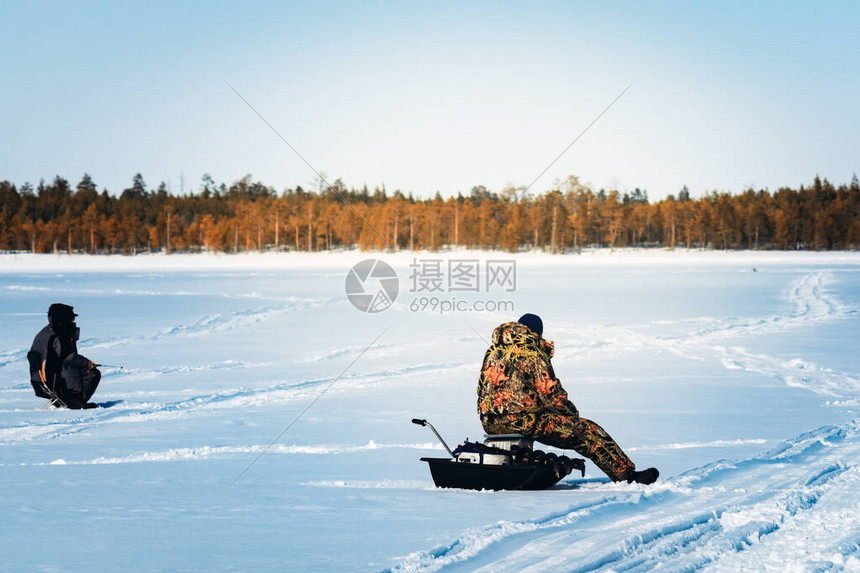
{"x": 550, "y": 392}
{"x": 78, "y": 361}
{"x": 74, "y": 359}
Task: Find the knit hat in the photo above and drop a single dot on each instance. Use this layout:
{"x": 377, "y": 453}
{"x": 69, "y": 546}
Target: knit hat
{"x": 60, "y": 313}
{"x": 533, "y": 321}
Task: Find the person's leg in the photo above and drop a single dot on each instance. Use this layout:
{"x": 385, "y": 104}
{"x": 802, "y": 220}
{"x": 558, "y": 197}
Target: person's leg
{"x": 522, "y": 423}
{"x": 90, "y": 381}
{"x": 587, "y": 439}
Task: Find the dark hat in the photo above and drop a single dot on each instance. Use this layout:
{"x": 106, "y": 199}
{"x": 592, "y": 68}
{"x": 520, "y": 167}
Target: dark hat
{"x": 60, "y": 313}
{"x": 533, "y": 321}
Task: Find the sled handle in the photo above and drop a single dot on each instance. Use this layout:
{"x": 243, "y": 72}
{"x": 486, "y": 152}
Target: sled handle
{"x": 421, "y": 422}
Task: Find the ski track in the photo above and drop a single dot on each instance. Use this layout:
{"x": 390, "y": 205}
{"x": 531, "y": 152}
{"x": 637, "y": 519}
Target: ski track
{"x": 752, "y": 514}
{"x": 66, "y": 291}
{"x": 239, "y": 398}
{"x": 757, "y": 513}
{"x": 367, "y": 484}
{"x": 812, "y": 306}
{"x": 235, "y": 320}
{"x": 214, "y": 323}
{"x": 795, "y": 372}
{"x": 727, "y": 516}
{"x": 208, "y": 452}
{"x": 136, "y": 374}
{"x": 377, "y": 350}
{"x": 689, "y": 445}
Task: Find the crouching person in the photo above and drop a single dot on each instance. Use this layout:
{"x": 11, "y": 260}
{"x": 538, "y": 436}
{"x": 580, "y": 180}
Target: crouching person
{"x": 57, "y": 372}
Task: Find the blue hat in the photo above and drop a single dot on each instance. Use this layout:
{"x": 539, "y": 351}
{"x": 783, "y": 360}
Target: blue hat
{"x": 534, "y": 323}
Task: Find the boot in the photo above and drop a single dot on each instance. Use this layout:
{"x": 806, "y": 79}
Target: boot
{"x": 646, "y": 477}
{"x": 72, "y": 400}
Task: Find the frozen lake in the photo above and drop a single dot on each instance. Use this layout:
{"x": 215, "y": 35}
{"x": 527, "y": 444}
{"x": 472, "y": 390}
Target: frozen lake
{"x": 736, "y": 374}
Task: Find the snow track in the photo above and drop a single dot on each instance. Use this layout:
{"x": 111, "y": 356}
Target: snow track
{"x": 811, "y": 305}
{"x": 211, "y": 324}
{"x": 794, "y": 372}
{"x": 207, "y": 452}
{"x": 239, "y": 398}
{"x": 757, "y": 513}
{"x": 691, "y": 363}
{"x": 748, "y": 514}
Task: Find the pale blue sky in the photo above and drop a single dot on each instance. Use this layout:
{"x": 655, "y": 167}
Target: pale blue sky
{"x": 432, "y": 96}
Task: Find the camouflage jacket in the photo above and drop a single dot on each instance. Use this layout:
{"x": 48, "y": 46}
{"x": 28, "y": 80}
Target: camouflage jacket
{"x": 517, "y": 375}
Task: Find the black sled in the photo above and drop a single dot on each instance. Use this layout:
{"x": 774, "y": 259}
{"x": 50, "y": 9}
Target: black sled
{"x": 504, "y": 461}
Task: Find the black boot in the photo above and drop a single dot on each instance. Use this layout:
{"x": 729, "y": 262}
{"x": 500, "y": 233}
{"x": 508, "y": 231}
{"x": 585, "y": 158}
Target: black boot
{"x": 646, "y": 477}
{"x": 71, "y": 400}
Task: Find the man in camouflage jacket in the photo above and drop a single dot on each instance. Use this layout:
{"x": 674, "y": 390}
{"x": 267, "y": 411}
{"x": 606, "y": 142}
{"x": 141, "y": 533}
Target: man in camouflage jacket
{"x": 518, "y": 392}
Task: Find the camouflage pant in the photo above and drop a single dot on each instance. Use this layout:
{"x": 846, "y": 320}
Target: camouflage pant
{"x": 568, "y": 433}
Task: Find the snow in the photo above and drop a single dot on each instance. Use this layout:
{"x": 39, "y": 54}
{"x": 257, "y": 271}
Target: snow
{"x": 736, "y": 374}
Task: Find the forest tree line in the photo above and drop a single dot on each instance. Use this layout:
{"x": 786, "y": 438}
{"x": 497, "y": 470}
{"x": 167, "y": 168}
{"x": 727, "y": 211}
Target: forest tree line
{"x": 250, "y": 216}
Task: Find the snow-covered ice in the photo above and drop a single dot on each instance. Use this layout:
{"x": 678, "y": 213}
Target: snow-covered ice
{"x": 736, "y": 374}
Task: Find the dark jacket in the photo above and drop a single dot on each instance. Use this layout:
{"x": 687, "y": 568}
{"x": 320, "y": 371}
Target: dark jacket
{"x": 517, "y": 375}
{"x": 59, "y": 364}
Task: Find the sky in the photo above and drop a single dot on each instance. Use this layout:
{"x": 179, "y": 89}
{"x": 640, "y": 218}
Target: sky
{"x": 431, "y": 96}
